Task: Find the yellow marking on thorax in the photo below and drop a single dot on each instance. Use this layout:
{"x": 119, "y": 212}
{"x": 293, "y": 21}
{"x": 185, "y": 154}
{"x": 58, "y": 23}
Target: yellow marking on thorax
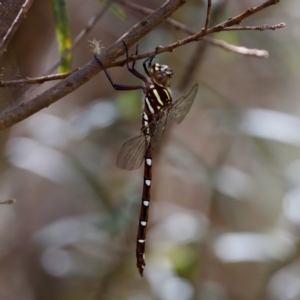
{"x": 155, "y": 92}
{"x": 167, "y": 93}
{"x": 149, "y": 106}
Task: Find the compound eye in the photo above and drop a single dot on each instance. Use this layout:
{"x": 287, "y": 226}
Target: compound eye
{"x": 162, "y": 78}
{"x": 169, "y": 72}
{"x": 161, "y": 74}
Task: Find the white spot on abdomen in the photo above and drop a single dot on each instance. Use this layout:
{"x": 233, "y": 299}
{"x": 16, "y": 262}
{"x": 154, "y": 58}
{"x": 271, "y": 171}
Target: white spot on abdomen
{"x": 148, "y": 161}
{"x": 148, "y": 182}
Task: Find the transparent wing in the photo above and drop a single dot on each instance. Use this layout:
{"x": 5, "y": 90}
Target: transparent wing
{"x": 133, "y": 151}
{"x": 131, "y": 154}
{"x": 182, "y": 106}
{"x": 160, "y": 127}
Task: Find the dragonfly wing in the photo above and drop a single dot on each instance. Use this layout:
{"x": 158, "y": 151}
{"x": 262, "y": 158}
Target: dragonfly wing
{"x": 182, "y": 106}
{"x": 132, "y": 153}
{"x": 159, "y": 130}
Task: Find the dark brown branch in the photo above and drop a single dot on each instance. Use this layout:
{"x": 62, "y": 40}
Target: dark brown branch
{"x": 77, "y": 79}
{"x": 10, "y": 83}
{"x": 131, "y": 37}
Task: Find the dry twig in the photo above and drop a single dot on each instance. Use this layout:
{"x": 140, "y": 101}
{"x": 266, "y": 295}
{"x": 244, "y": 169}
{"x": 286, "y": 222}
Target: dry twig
{"x": 212, "y": 41}
{"x": 207, "y": 15}
{"x": 15, "y": 24}
{"x": 45, "y": 77}
{"x": 27, "y": 80}
{"x": 259, "y": 28}
{"x": 138, "y": 31}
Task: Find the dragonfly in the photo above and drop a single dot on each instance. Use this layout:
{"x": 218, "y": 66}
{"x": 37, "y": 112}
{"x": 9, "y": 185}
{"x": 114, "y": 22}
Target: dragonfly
{"x": 158, "y": 107}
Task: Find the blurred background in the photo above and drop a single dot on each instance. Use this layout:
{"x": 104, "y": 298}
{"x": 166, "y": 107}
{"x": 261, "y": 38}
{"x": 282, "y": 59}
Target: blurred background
{"x": 225, "y": 210}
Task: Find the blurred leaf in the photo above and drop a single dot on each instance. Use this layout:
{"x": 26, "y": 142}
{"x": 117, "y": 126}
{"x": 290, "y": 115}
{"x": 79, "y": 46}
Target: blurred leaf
{"x": 63, "y": 33}
{"x": 115, "y": 8}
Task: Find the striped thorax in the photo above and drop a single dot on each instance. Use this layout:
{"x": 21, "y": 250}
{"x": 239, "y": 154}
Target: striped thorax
{"x": 157, "y": 94}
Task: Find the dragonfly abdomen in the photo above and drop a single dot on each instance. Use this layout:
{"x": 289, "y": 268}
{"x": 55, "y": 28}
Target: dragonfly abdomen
{"x": 143, "y": 219}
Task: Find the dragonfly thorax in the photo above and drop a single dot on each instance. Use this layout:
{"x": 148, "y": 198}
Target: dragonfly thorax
{"x": 161, "y": 74}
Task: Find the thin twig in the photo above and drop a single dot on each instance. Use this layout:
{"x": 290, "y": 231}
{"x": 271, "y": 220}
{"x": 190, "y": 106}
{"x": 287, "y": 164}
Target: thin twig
{"x": 76, "y": 42}
{"x": 237, "y": 49}
{"x": 92, "y": 68}
{"x": 176, "y": 24}
{"x": 208, "y": 12}
{"x": 222, "y": 44}
{"x": 212, "y": 41}
{"x": 218, "y": 28}
{"x": 15, "y": 25}
{"x": 27, "y": 80}
{"x": 259, "y": 28}
{"x": 198, "y": 52}
{"x": 138, "y": 31}
{"x": 249, "y": 12}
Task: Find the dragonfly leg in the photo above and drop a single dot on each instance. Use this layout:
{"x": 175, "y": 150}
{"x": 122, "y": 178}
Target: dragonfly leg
{"x": 132, "y": 69}
{"x": 149, "y": 61}
{"x": 118, "y": 87}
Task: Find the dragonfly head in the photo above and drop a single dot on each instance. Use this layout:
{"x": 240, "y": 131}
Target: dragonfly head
{"x": 161, "y": 74}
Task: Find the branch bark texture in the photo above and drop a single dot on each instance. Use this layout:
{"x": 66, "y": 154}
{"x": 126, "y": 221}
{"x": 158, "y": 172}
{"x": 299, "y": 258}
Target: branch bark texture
{"x": 77, "y": 79}
{"x": 108, "y": 56}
